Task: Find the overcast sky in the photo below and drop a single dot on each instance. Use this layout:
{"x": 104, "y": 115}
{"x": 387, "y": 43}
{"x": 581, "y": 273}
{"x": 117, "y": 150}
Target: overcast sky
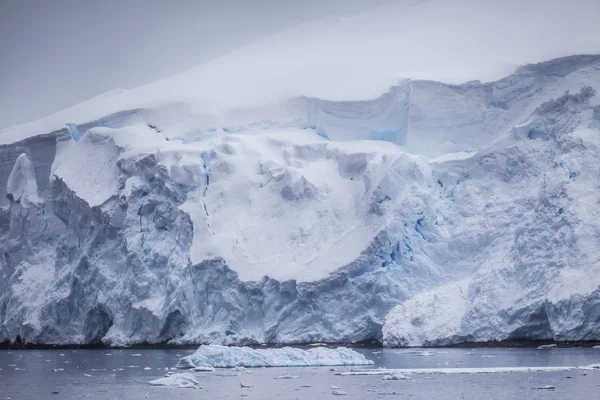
{"x": 55, "y": 53}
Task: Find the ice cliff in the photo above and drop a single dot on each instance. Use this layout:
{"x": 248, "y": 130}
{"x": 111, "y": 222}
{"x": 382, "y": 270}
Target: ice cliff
{"x": 427, "y": 213}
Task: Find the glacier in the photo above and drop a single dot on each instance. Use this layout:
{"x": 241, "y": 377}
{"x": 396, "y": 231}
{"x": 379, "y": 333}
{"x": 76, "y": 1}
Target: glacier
{"x": 217, "y": 356}
{"x": 273, "y": 208}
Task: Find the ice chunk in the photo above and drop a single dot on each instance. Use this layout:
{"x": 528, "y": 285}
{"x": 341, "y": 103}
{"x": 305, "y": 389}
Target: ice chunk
{"x": 591, "y": 367}
{"x": 546, "y": 346}
{"x": 337, "y": 392}
{"x": 287, "y": 376}
{"x": 546, "y": 387}
{"x": 183, "y": 380}
{"x": 203, "y": 368}
{"x": 395, "y": 377}
{"x": 21, "y": 185}
{"x": 227, "y": 357}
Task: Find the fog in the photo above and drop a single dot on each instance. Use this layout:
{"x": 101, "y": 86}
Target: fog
{"x": 56, "y": 53}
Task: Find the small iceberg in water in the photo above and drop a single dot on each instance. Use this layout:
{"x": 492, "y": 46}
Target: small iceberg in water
{"x": 218, "y": 356}
{"x": 183, "y": 380}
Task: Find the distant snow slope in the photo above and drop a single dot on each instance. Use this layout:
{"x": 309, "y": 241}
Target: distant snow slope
{"x": 348, "y": 59}
{"x": 294, "y": 196}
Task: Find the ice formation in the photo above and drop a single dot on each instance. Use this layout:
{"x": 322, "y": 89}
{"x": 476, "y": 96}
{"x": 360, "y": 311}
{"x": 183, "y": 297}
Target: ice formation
{"x": 361, "y": 187}
{"x": 21, "y": 185}
{"x": 218, "y": 356}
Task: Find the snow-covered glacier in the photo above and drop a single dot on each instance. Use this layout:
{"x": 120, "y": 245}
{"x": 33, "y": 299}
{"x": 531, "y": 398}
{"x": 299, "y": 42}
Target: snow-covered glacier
{"x": 261, "y": 211}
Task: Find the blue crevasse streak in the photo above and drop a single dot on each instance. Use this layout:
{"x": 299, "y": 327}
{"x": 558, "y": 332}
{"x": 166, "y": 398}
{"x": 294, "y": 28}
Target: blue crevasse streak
{"x": 74, "y": 132}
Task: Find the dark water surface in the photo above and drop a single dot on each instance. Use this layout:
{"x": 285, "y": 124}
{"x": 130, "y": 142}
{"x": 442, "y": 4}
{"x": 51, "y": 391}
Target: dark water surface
{"x": 124, "y": 374}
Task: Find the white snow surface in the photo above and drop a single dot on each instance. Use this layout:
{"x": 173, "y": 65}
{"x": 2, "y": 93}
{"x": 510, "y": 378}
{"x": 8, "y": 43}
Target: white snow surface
{"x": 218, "y": 356}
{"x": 348, "y": 179}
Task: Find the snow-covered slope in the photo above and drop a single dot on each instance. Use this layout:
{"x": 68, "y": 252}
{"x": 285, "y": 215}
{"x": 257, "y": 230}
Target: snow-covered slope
{"x": 254, "y": 200}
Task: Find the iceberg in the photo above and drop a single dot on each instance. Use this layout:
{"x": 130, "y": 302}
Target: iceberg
{"x": 218, "y": 356}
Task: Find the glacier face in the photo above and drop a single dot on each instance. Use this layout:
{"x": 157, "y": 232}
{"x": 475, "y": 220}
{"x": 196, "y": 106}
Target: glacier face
{"x": 472, "y": 217}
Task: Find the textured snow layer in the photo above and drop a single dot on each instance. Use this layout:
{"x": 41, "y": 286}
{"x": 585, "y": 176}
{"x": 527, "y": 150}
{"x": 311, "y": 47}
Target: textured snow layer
{"x": 227, "y": 357}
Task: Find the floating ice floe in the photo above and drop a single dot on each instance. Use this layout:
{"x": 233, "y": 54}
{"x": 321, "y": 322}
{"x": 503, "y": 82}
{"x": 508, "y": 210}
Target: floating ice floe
{"x": 183, "y": 380}
{"x": 428, "y": 371}
{"x": 218, "y": 356}
{"x": 203, "y": 368}
{"x": 591, "y": 367}
{"x": 395, "y": 377}
{"x": 287, "y": 376}
{"x": 546, "y": 346}
{"x": 546, "y": 387}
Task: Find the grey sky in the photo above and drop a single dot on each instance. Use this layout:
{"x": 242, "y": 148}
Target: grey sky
{"x": 55, "y": 53}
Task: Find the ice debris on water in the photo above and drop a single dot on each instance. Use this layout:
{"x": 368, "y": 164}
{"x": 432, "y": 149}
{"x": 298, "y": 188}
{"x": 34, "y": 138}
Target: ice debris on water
{"x": 395, "y": 377}
{"x": 425, "y": 353}
{"x": 546, "y": 346}
{"x": 546, "y": 387}
{"x": 338, "y": 392}
{"x": 203, "y": 368}
{"x": 182, "y": 380}
{"x": 287, "y": 376}
{"x": 218, "y": 356}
